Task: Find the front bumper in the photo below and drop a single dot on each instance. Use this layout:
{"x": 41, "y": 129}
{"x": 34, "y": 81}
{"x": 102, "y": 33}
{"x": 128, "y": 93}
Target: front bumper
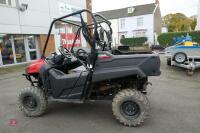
{"x": 28, "y": 77}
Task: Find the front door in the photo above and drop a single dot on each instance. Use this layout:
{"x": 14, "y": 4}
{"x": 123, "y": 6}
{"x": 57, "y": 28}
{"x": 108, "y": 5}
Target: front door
{"x": 32, "y": 49}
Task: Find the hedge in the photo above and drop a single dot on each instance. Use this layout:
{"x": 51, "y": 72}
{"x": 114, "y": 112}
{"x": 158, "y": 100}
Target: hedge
{"x": 139, "y": 41}
{"x": 167, "y": 38}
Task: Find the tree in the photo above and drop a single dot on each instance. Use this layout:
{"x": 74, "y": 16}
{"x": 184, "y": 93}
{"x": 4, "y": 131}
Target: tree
{"x": 194, "y": 23}
{"x": 179, "y": 22}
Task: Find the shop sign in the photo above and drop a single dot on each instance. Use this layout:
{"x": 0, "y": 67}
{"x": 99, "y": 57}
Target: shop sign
{"x": 67, "y": 8}
{"x": 68, "y": 39}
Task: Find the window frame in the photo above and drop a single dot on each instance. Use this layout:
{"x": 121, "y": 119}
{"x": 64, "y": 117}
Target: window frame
{"x": 27, "y": 50}
{"x": 140, "y": 34}
{"x": 140, "y": 21}
{"x": 9, "y": 3}
{"x": 12, "y": 48}
{"x": 122, "y": 23}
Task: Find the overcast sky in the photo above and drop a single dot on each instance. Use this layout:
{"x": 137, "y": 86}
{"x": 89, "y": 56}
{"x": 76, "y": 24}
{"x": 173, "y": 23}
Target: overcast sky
{"x": 188, "y": 7}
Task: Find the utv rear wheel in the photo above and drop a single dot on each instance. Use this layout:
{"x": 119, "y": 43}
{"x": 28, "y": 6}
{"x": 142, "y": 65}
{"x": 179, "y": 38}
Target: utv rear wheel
{"x": 130, "y": 107}
{"x": 32, "y": 101}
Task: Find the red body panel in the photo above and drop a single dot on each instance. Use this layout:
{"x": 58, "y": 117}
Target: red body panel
{"x": 35, "y": 66}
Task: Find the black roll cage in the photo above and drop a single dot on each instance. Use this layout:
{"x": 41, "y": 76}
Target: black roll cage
{"x": 91, "y": 40}
{"x": 94, "y": 26}
{"x": 72, "y": 23}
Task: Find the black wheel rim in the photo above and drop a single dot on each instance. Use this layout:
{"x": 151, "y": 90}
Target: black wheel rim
{"x": 130, "y": 109}
{"x": 29, "y": 103}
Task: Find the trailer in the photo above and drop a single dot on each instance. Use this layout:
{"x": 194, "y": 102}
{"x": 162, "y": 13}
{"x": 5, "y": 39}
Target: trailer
{"x": 191, "y": 64}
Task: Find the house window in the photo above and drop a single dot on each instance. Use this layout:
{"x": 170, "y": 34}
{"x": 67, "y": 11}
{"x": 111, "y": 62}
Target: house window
{"x": 5, "y": 2}
{"x": 122, "y": 23}
{"x": 140, "y": 34}
{"x": 140, "y": 21}
{"x": 131, "y": 10}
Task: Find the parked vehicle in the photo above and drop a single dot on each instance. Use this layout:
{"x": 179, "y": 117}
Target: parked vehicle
{"x": 158, "y": 48}
{"x": 185, "y": 54}
{"x": 126, "y": 50}
{"x": 80, "y": 75}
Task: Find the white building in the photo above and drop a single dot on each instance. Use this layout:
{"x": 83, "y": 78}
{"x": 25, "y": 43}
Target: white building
{"x": 198, "y": 17}
{"x": 135, "y": 21}
{"x": 25, "y": 23}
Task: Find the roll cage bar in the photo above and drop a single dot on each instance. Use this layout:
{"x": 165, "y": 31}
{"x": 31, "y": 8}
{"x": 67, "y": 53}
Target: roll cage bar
{"x": 86, "y": 27}
{"x": 90, "y": 37}
{"x": 83, "y": 26}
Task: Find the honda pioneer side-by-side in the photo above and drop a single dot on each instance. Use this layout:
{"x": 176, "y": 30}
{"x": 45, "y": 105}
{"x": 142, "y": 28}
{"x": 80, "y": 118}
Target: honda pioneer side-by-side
{"x": 92, "y": 72}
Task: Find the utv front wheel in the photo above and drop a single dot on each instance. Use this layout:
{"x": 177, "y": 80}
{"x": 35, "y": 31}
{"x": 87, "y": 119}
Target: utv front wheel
{"x": 32, "y": 101}
{"x": 130, "y": 107}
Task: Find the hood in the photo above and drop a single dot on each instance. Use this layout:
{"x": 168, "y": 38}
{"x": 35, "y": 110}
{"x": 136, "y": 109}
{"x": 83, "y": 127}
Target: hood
{"x": 35, "y": 66}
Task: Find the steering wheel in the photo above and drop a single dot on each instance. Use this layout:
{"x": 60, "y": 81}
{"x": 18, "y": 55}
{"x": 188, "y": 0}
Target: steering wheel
{"x": 65, "y": 52}
{"x": 82, "y": 54}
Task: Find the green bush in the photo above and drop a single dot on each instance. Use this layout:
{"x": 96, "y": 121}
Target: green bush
{"x": 139, "y": 41}
{"x": 167, "y": 38}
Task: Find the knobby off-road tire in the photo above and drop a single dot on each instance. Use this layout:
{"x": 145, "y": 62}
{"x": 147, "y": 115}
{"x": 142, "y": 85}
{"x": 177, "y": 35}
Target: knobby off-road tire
{"x": 32, "y": 101}
{"x": 137, "y": 100}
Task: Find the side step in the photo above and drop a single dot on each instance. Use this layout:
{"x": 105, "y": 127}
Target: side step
{"x": 66, "y": 100}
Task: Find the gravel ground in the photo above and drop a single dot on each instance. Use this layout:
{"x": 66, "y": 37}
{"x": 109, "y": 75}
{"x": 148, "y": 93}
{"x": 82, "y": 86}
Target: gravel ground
{"x": 174, "y": 98}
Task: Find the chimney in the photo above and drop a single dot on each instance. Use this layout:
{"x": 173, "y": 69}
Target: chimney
{"x": 157, "y": 2}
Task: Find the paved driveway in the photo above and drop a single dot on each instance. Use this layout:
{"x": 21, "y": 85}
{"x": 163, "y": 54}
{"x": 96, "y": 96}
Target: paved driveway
{"x": 175, "y": 108}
